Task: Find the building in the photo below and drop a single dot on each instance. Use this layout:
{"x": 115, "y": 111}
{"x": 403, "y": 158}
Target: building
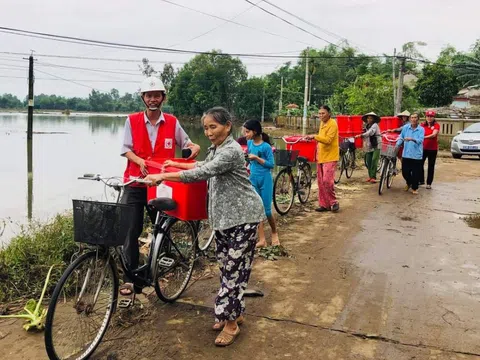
{"x": 467, "y": 98}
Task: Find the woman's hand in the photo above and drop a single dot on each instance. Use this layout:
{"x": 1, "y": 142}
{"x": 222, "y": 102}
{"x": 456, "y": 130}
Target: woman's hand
{"x": 253, "y": 157}
{"x": 309, "y": 137}
{"x": 357, "y": 136}
{"x": 154, "y": 179}
{"x": 169, "y": 163}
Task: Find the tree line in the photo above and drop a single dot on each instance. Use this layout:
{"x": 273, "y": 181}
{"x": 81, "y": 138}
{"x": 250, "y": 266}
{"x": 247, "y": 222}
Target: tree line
{"x": 350, "y": 81}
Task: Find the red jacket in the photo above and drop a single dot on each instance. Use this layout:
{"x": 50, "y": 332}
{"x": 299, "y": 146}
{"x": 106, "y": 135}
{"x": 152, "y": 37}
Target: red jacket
{"x": 142, "y": 147}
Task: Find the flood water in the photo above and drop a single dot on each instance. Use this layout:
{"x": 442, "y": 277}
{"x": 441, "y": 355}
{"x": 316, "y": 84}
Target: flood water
{"x": 64, "y": 147}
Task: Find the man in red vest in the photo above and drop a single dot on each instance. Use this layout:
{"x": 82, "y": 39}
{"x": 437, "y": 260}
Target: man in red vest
{"x": 150, "y": 134}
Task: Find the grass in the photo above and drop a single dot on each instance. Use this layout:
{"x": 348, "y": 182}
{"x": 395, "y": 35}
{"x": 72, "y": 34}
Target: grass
{"x": 25, "y": 261}
{"x": 473, "y": 221}
{"x": 444, "y": 144}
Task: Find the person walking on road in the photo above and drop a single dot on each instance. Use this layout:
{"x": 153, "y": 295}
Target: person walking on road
{"x": 328, "y": 154}
{"x": 412, "y": 136}
{"x": 430, "y": 147}
{"x": 372, "y": 142}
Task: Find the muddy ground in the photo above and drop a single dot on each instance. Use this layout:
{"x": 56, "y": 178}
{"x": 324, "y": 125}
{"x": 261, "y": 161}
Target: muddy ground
{"x": 389, "y": 277}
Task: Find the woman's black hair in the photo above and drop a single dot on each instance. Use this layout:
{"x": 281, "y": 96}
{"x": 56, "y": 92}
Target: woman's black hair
{"x": 325, "y": 107}
{"x": 220, "y": 115}
{"x": 256, "y": 126}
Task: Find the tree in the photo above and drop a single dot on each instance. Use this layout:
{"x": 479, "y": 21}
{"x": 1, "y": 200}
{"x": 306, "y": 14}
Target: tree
{"x": 9, "y": 101}
{"x": 249, "y": 99}
{"x": 467, "y": 66}
{"x": 437, "y": 85}
{"x": 370, "y": 93}
{"x": 205, "y": 81}
{"x": 167, "y": 75}
{"x": 146, "y": 68}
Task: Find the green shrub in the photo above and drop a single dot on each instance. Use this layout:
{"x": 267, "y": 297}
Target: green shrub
{"x": 27, "y": 258}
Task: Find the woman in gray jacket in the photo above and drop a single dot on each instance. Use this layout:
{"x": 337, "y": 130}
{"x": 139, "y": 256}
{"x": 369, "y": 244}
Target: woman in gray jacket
{"x": 234, "y": 210}
{"x": 372, "y": 143}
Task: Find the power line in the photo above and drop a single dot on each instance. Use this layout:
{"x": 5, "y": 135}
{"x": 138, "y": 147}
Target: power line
{"x": 339, "y": 37}
{"x": 291, "y": 24}
{"x": 216, "y": 27}
{"x": 68, "y": 80}
{"x": 109, "y": 44}
{"x": 231, "y": 21}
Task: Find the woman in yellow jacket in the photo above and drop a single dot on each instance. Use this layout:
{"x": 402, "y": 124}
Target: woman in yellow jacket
{"x": 327, "y": 158}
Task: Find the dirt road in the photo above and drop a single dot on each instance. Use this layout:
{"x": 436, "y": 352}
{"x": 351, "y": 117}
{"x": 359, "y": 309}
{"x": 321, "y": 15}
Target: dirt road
{"x": 390, "y": 277}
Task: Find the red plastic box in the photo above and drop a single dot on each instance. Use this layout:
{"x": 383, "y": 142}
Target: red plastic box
{"x": 306, "y": 148}
{"x": 191, "y": 198}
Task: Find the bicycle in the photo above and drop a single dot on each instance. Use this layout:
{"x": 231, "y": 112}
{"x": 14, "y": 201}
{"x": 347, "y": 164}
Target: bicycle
{"x": 286, "y": 186}
{"x": 85, "y": 297}
{"x": 347, "y": 159}
{"x": 388, "y": 157}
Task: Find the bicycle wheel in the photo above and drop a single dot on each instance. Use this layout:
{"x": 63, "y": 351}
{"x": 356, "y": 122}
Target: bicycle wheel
{"x": 383, "y": 177}
{"x": 349, "y": 164}
{"x": 390, "y": 174}
{"x": 304, "y": 182}
{"x": 175, "y": 260}
{"x": 283, "y": 192}
{"x": 81, "y": 307}
{"x": 205, "y": 235}
{"x": 340, "y": 168}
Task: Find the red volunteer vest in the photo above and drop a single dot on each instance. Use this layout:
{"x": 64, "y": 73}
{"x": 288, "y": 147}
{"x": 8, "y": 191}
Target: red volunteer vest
{"x": 142, "y": 147}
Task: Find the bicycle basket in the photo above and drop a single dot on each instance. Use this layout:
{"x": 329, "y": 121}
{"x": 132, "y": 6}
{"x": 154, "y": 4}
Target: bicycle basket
{"x": 388, "y": 150}
{"x": 286, "y": 157}
{"x": 101, "y": 223}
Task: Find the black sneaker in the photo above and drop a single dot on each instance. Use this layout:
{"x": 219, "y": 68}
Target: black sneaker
{"x": 321, "y": 209}
{"x": 335, "y": 207}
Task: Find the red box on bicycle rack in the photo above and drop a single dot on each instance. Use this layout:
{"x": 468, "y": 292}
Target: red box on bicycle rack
{"x": 306, "y": 148}
{"x": 191, "y": 198}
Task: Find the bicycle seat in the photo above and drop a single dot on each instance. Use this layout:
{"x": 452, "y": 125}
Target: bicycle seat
{"x": 163, "y": 204}
{"x": 302, "y": 159}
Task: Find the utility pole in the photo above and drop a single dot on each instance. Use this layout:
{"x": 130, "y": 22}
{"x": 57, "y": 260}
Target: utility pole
{"x": 263, "y": 104}
{"x": 30, "y": 97}
{"x": 393, "y": 80}
{"x": 280, "y": 106}
{"x": 305, "y": 96}
{"x": 310, "y": 90}
{"x": 398, "y": 106}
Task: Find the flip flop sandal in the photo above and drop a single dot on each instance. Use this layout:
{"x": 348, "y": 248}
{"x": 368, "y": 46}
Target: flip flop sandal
{"x": 226, "y": 338}
{"x": 219, "y": 326}
{"x": 129, "y": 299}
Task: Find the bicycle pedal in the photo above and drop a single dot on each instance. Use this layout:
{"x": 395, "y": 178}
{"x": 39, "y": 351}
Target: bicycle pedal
{"x": 166, "y": 262}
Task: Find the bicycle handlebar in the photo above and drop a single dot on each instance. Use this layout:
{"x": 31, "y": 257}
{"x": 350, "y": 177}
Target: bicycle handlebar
{"x": 105, "y": 180}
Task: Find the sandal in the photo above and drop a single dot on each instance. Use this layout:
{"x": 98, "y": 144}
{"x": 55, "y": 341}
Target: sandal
{"x": 128, "y": 292}
{"x": 219, "y": 325}
{"x": 226, "y": 338}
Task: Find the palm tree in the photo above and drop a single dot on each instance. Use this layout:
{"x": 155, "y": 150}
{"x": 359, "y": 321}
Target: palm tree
{"x": 468, "y": 69}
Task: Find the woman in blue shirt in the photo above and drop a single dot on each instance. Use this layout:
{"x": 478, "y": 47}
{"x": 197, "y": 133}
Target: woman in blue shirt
{"x": 260, "y": 156}
{"x": 412, "y": 136}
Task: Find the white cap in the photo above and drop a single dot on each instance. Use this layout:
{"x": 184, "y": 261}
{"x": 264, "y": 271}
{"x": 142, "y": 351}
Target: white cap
{"x": 152, "y": 83}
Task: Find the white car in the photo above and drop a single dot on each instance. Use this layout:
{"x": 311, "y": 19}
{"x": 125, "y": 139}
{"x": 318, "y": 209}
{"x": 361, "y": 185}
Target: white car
{"x": 466, "y": 142}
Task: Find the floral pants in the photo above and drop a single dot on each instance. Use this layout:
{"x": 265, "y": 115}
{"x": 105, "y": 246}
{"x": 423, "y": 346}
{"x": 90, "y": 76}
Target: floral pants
{"x": 235, "y": 249}
{"x": 326, "y": 184}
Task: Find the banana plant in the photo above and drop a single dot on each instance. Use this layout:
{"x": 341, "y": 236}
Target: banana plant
{"x": 33, "y": 313}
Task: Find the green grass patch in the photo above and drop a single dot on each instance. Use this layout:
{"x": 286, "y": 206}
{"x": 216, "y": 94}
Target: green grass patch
{"x": 473, "y": 221}
{"x": 25, "y": 261}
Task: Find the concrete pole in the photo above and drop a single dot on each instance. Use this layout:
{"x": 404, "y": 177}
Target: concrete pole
{"x": 305, "y": 96}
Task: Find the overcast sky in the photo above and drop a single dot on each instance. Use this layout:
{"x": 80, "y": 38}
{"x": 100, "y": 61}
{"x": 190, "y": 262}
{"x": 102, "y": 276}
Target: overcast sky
{"x": 373, "y": 26}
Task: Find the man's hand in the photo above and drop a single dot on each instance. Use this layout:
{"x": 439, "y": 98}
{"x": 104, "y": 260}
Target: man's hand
{"x": 143, "y": 167}
{"x": 408, "y": 139}
{"x": 195, "y": 150}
